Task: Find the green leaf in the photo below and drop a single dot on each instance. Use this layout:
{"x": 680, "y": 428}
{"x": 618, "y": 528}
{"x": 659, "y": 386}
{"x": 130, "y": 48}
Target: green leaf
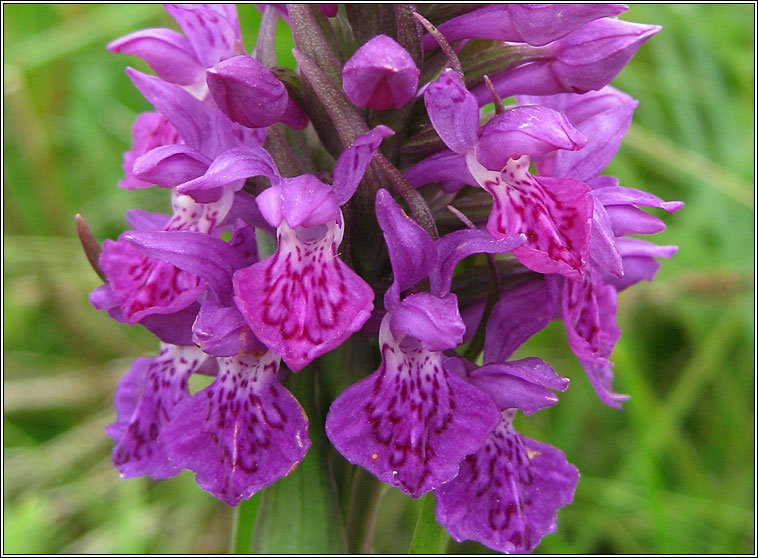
{"x": 300, "y": 514}
{"x": 244, "y": 524}
{"x": 429, "y": 537}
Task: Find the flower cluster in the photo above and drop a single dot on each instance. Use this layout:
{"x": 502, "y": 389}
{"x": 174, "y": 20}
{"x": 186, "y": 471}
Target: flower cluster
{"x": 287, "y": 239}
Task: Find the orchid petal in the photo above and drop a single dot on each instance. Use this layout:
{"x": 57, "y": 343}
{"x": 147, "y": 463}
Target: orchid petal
{"x": 241, "y": 433}
{"x": 303, "y": 301}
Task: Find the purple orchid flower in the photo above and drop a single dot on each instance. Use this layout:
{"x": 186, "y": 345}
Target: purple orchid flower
{"x": 303, "y": 301}
{"x": 139, "y": 285}
{"x": 411, "y": 422}
{"x": 506, "y": 495}
{"x": 241, "y": 433}
{"x": 145, "y": 401}
{"x": 554, "y": 214}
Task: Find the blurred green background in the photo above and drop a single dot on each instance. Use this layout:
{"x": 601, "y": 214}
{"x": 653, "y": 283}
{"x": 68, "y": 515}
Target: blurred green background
{"x": 673, "y": 472}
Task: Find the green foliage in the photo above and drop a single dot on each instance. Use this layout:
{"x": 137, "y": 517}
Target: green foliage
{"x": 670, "y": 473}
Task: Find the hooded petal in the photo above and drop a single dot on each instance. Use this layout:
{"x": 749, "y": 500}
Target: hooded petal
{"x": 507, "y": 494}
{"x": 145, "y": 402}
{"x": 525, "y": 130}
{"x": 445, "y": 166}
{"x": 381, "y": 75}
{"x": 241, "y": 433}
{"x": 453, "y": 111}
{"x": 410, "y": 423}
{"x": 223, "y": 331}
{"x": 303, "y": 301}
{"x": 433, "y": 320}
{"x": 247, "y": 92}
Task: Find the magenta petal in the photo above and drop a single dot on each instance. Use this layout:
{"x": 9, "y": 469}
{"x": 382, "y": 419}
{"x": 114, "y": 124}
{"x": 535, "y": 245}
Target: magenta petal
{"x": 445, "y": 166}
{"x": 233, "y": 166}
{"x": 603, "y": 242}
{"x": 145, "y": 402}
{"x": 453, "y": 111}
{"x": 535, "y": 24}
{"x": 142, "y": 286}
{"x": 639, "y": 261}
{"x": 627, "y": 219}
{"x": 553, "y": 213}
{"x": 457, "y": 245}
{"x": 411, "y": 249}
{"x": 604, "y": 118}
{"x": 525, "y": 130}
{"x": 207, "y": 257}
{"x": 222, "y": 331}
{"x": 241, "y": 433}
{"x": 303, "y": 301}
{"x": 619, "y": 195}
{"x": 141, "y": 220}
{"x": 150, "y": 130}
{"x": 520, "y": 384}
{"x": 534, "y": 303}
{"x": 213, "y": 30}
{"x": 247, "y": 92}
{"x": 170, "y": 165}
{"x": 589, "y": 313}
{"x": 410, "y": 423}
{"x": 506, "y": 496}
{"x": 167, "y": 52}
{"x": 433, "y": 320}
{"x": 381, "y": 75}
{"x": 188, "y": 115}
{"x": 352, "y": 163}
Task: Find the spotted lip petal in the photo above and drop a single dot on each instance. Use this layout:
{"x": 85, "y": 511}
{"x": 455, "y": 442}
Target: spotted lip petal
{"x": 241, "y": 433}
{"x": 553, "y": 213}
{"x": 589, "y": 313}
{"x": 411, "y": 422}
{"x": 303, "y": 301}
{"x": 146, "y": 399}
{"x": 507, "y": 494}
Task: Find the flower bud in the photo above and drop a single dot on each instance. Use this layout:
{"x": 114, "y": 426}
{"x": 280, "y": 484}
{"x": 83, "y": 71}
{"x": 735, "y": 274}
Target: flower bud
{"x": 585, "y": 60}
{"x": 380, "y": 75}
{"x": 247, "y": 92}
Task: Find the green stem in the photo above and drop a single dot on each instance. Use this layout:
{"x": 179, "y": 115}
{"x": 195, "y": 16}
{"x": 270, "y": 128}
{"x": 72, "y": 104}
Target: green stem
{"x": 429, "y": 537}
{"x": 364, "y": 500}
{"x": 244, "y": 524}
